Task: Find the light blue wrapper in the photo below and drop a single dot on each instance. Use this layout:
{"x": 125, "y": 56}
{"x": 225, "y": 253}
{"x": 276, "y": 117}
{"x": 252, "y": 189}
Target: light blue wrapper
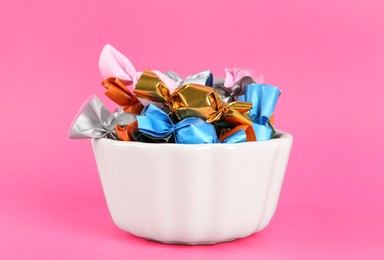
{"x": 264, "y": 98}
{"x": 238, "y": 137}
{"x": 193, "y": 130}
{"x": 155, "y": 122}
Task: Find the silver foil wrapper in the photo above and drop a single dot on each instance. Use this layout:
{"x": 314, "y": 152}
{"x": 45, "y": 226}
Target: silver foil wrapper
{"x": 201, "y": 78}
{"x": 95, "y": 121}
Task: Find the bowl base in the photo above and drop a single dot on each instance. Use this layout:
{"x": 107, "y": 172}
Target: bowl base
{"x": 191, "y": 243}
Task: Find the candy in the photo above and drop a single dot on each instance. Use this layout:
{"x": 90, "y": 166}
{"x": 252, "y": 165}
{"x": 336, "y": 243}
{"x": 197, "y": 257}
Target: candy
{"x": 95, "y": 121}
{"x": 122, "y": 96}
{"x": 158, "y": 107}
{"x": 113, "y": 64}
{"x": 263, "y": 98}
{"x": 192, "y": 100}
{"x": 155, "y": 123}
{"x": 235, "y": 79}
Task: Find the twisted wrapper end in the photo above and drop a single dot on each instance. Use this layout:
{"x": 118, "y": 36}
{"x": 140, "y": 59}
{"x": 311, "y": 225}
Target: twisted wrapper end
{"x": 202, "y": 78}
{"x": 234, "y": 113}
{"x": 113, "y": 64}
{"x": 235, "y": 79}
{"x": 95, "y": 121}
{"x": 121, "y": 95}
{"x": 152, "y": 88}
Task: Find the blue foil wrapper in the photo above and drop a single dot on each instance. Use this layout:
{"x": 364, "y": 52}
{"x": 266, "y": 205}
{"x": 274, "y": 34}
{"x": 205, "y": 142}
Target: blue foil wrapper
{"x": 264, "y": 98}
{"x": 238, "y": 137}
{"x": 155, "y": 123}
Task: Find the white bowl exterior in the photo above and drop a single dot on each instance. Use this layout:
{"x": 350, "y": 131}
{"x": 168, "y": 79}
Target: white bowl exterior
{"x": 192, "y": 194}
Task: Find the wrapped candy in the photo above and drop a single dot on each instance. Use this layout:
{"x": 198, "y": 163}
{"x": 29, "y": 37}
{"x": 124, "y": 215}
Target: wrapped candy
{"x": 122, "y": 96}
{"x": 264, "y": 98}
{"x": 235, "y": 79}
{"x": 157, "y": 107}
{"x": 192, "y": 100}
{"x": 156, "y": 126}
{"x": 95, "y": 121}
{"x": 143, "y": 137}
{"x": 234, "y": 76}
{"x": 113, "y": 64}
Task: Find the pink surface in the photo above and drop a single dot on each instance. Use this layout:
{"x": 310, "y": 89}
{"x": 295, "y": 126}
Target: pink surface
{"x": 327, "y": 56}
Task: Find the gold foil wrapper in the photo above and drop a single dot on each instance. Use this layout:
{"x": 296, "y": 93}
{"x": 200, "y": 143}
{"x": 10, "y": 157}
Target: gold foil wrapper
{"x": 192, "y": 100}
{"x": 235, "y": 113}
{"x": 121, "y": 95}
{"x": 150, "y": 87}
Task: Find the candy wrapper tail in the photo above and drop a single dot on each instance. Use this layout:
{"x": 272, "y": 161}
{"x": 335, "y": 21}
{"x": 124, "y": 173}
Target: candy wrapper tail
{"x": 95, "y": 121}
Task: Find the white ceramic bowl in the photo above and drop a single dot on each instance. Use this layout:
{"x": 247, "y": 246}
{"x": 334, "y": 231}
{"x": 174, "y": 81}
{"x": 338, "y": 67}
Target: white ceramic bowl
{"x": 192, "y": 194}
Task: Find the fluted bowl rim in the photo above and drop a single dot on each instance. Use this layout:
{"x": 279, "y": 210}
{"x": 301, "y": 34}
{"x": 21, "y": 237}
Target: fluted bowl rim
{"x": 280, "y": 137}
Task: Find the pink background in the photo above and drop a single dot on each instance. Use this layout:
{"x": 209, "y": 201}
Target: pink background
{"x": 327, "y": 57}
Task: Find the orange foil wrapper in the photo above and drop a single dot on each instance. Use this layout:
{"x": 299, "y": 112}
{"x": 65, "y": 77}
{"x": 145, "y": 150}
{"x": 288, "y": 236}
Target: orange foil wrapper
{"x": 121, "y": 95}
{"x": 125, "y": 132}
{"x": 250, "y": 133}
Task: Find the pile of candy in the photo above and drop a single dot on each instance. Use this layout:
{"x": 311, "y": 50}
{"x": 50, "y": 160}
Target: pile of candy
{"x": 157, "y": 107}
